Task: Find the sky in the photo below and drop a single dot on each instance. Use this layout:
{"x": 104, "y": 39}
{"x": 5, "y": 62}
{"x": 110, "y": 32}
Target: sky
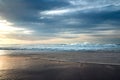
{"x": 59, "y": 21}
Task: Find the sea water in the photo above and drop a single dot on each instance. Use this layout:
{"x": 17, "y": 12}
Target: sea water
{"x": 63, "y": 47}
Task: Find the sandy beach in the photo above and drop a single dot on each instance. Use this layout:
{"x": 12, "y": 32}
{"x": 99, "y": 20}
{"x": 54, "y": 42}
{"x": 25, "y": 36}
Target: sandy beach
{"x": 46, "y": 66}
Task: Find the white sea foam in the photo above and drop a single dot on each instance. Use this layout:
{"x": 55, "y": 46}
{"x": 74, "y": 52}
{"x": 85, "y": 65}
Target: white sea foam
{"x": 67, "y": 47}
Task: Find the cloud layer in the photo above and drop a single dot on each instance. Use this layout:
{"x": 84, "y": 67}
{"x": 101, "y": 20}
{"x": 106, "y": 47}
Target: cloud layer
{"x": 64, "y": 20}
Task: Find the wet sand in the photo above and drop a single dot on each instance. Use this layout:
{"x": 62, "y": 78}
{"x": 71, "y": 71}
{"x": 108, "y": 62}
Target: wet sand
{"x": 38, "y": 67}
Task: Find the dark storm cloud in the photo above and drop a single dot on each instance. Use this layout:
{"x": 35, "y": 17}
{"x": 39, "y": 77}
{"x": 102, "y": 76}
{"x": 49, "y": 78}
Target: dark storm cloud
{"x": 50, "y": 18}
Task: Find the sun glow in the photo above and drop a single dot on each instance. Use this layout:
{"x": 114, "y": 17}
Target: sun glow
{"x": 8, "y": 29}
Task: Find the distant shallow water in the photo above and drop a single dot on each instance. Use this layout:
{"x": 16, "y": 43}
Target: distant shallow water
{"x": 99, "y": 57}
{"x": 98, "y": 53}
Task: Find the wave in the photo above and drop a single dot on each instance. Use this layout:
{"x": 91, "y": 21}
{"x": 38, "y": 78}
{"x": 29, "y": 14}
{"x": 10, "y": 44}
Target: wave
{"x": 67, "y": 47}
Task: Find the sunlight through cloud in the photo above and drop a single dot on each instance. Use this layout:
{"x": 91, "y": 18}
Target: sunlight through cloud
{"x": 8, "y": 28}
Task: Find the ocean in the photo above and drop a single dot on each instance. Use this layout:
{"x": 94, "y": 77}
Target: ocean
{"x": 60, "y": 62}
{"x": 63, "y": 47}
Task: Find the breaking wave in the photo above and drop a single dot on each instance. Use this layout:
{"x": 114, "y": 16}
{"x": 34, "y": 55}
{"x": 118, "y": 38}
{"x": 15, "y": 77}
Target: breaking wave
{"x": 64, "y": 47}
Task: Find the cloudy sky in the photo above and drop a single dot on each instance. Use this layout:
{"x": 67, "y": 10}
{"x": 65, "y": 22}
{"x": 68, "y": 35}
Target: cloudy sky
{"x": 59, "y": 21}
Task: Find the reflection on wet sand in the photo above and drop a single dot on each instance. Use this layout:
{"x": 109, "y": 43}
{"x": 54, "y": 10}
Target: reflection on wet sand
{"x": 7, "y": 62}
{"x": 38, "y": 68}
